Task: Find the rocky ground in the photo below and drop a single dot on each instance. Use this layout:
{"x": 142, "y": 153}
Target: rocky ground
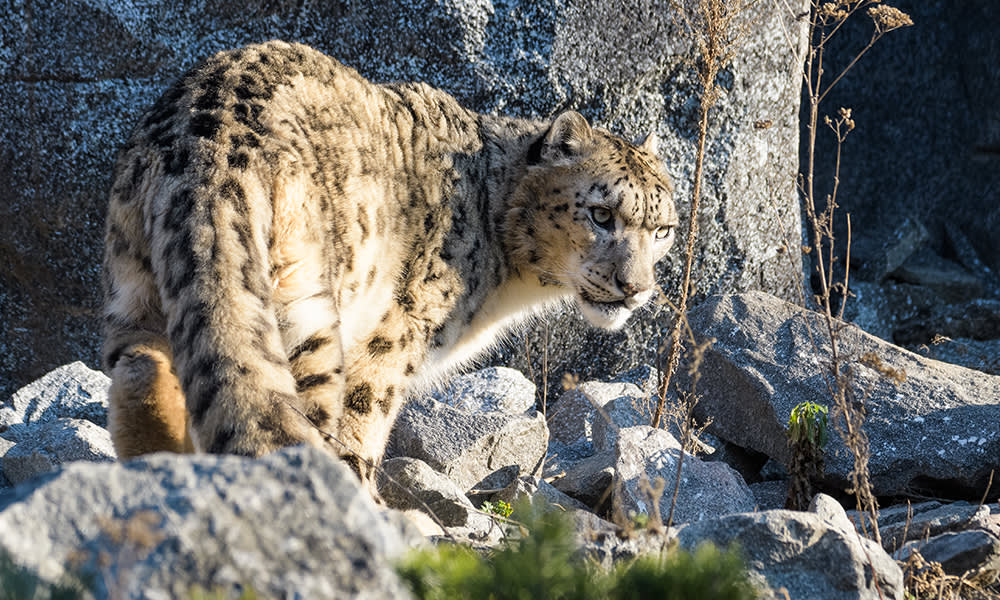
{"x": 297, "y": 520}
{"x": 923, "y": 276}
{"x": 935, "y": 296}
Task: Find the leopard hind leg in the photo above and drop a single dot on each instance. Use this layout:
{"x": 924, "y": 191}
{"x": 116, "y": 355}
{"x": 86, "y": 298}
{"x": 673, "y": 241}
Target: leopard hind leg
{"x": 146, "y": 411}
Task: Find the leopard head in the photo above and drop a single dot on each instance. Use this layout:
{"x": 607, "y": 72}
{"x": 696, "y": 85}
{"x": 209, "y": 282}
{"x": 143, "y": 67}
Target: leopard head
{"x": 593, "y": 214}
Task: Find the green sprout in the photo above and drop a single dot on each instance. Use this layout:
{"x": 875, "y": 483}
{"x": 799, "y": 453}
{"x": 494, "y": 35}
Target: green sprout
{"x": 808, "y": 424}
{"x": 499, "y": 508}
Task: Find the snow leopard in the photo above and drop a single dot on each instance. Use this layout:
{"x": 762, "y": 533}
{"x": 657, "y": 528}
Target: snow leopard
{"x": 292, "y": 249}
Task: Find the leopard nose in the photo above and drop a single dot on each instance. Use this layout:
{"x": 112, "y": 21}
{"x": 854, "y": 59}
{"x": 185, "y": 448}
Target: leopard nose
{"x": 629, "y": 288}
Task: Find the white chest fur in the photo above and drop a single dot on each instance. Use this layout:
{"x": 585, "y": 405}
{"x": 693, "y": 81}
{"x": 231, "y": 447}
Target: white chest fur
{"x": 515, "y": 303}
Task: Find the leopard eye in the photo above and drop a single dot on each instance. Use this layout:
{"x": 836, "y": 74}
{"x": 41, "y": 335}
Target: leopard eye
{"x": 663, "y": 233}
{"x": 600, "y": 215}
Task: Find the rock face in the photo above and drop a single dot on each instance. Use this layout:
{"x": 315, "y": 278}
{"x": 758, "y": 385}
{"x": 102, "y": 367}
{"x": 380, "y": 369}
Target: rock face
{"x": 707, "y": 490}
{"x": 810, "y": 555}
{"x": 157, "y": 527}
{"x": 958, "y": 89}
{"x": 964, "y": 538}
{"x": 920, "y": 241}
{"x": 59, "y": 418}
{"x": 934, "y": 431}
{"x": 68, "y": 99}
{"x": 472, "y": 448}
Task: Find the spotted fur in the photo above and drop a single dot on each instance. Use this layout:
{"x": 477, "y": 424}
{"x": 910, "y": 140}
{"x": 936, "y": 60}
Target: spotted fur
{"x": 291, "y": 248}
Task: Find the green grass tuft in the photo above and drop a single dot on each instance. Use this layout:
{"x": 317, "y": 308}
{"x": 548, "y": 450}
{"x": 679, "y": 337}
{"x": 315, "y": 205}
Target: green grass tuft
{"x": 708, "y": 573}
{"x": 543, "y": 564}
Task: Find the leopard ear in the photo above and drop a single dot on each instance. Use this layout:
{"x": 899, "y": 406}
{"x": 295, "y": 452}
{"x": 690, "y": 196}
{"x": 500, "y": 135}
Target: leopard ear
{"x": 651, "y": 144}
{"x": 568, "y": 138}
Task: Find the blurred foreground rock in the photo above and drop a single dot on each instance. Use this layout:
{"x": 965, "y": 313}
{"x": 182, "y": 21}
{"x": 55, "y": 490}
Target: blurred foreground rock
{"x": 296, "y": 521}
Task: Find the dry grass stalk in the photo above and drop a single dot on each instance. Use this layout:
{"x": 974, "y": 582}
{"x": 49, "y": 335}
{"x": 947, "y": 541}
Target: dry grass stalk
{"x": 716, "y": 26}
{"x": 687, "y": 427}
{"x": 653, "y": 492}
{"x": 926, "y": 580}
{"x": 872, "y": 360}
{"x": 826, "y": 20}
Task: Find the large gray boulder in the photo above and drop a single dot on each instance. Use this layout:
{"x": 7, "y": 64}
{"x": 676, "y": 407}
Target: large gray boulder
{"x": 296, "y": 522}
{"x": 648, "y": 457}
{"x": 531, "y": 488}
{"x": 934, "y": 432}
{"x": 809, "y": 555}
{"x": 74, "y": 78}
{"x": 474, "y": 449}
{"x": 72, "y": 391}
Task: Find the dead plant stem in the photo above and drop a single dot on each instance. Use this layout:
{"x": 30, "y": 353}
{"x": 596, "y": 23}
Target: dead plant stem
{"x": 686, "y": 427}
{"x": 847, "y": 270}
{"x": 875, "y": 38}
{"x": 673, "y": 355}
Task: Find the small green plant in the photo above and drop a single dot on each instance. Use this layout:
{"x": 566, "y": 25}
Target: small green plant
{"x": 499, "y": 508}
{"x": 448, "y": 571}
{"x": 807, "y": 435}
{"x": 543, "y": 563}
{"x": 807, "y": 424}
{"x": 708, "y": 573}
